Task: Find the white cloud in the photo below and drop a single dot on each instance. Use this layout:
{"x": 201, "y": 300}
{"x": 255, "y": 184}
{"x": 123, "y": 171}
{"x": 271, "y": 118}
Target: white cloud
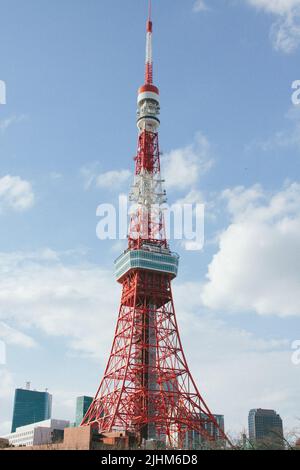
{"x": 5, "y": 428}
{"x": 194, "y": 196}
{"x": 55, "y": 175}
{"x": 285, "y": 31}
{"x": 286, "y": 138}
{"x": 183, "y": 167}
{"x": 88, "y": 175}
{"x": 200, "y": 5}
{"x": 110, "y": 180}
{"x": 12, "y": 336}
{"x": 9, "y": 121}
{"x": 235, "y": 370}
{"x": 279, "y": 7}
{"x": 15, "y": 193}
{"x": 6, "y": 380}
{"x": 6, "y": 397}
{"x": 45, "y": 291}
{"x": 257, "y": 267}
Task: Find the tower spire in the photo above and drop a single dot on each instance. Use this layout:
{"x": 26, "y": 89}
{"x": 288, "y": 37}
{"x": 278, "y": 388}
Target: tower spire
{"x": 149, "y": 55}
{"x": 150, "y": 10}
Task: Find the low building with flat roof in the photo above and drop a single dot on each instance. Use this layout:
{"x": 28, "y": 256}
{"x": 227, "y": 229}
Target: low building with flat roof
{"x": 44, "y": 432}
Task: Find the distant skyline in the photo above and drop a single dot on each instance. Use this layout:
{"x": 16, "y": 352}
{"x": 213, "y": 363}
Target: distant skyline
{"x": 230, "y": 134}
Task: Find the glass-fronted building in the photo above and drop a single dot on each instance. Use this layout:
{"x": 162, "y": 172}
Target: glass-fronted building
{"x": 196, "y": 441}
{"x": 30, "y": 406}
{"x": 82, "y": 405}
{"x": 265, "y": 428}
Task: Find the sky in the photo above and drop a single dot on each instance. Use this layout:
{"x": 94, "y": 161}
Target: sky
{"x": 230, "y": 136}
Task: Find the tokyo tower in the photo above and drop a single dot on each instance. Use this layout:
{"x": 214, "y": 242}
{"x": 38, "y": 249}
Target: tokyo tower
{"x": 147, "y": 389}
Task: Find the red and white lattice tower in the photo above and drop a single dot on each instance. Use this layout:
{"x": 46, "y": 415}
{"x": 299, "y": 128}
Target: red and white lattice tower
{"x": 147, "y": 388}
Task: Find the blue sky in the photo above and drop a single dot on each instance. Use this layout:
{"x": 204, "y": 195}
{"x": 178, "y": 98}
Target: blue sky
{"x": 225, "y": 70}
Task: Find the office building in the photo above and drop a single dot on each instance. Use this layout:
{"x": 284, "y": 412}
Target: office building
{"x": 82, "y": 405}
{"x": 30, "y": 406}
{"x": 265, "y": 428}
{"x": 195, "y": 441}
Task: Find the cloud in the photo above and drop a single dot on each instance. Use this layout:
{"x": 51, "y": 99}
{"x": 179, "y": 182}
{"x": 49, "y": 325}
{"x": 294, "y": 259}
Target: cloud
{"x": 55, "y": 176}
{"x": 200, "y": 5}
{"x": 9, "y": 121}
{"x": 182, "y": 167}
{"x": 88, "y": 175}
{"x": 257, "y": 266}
{"x": 5, "y": 428}
{"x": 194, "y": 196}
{"x": 278, "y": 7}
{"x": 110, "y": 180}
{"x": 285, "y": 31}
{"x": 45, "y": 291}
{"x": 6, "y": 397}
{"x": 6, "y": 380}
{"x": 286, "y": 138}
{"x": 195, "y": 240}
{"x": 231, "y": 362}
{"x": 15, "y": 193}
{"x": 12, "y": 336}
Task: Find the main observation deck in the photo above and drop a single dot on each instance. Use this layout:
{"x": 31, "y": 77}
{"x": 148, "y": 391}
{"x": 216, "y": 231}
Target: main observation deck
{"x": 150, "y": 258}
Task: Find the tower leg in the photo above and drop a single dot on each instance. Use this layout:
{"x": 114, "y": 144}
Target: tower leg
{"x": 147, "y": 387}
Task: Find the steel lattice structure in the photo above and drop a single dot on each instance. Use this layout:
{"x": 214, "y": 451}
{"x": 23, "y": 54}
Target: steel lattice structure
{"x": 147, "y": 388}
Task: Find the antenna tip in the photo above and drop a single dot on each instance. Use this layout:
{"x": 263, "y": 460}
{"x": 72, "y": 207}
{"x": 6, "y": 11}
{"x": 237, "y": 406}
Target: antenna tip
{"x": 150, "y": 10}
